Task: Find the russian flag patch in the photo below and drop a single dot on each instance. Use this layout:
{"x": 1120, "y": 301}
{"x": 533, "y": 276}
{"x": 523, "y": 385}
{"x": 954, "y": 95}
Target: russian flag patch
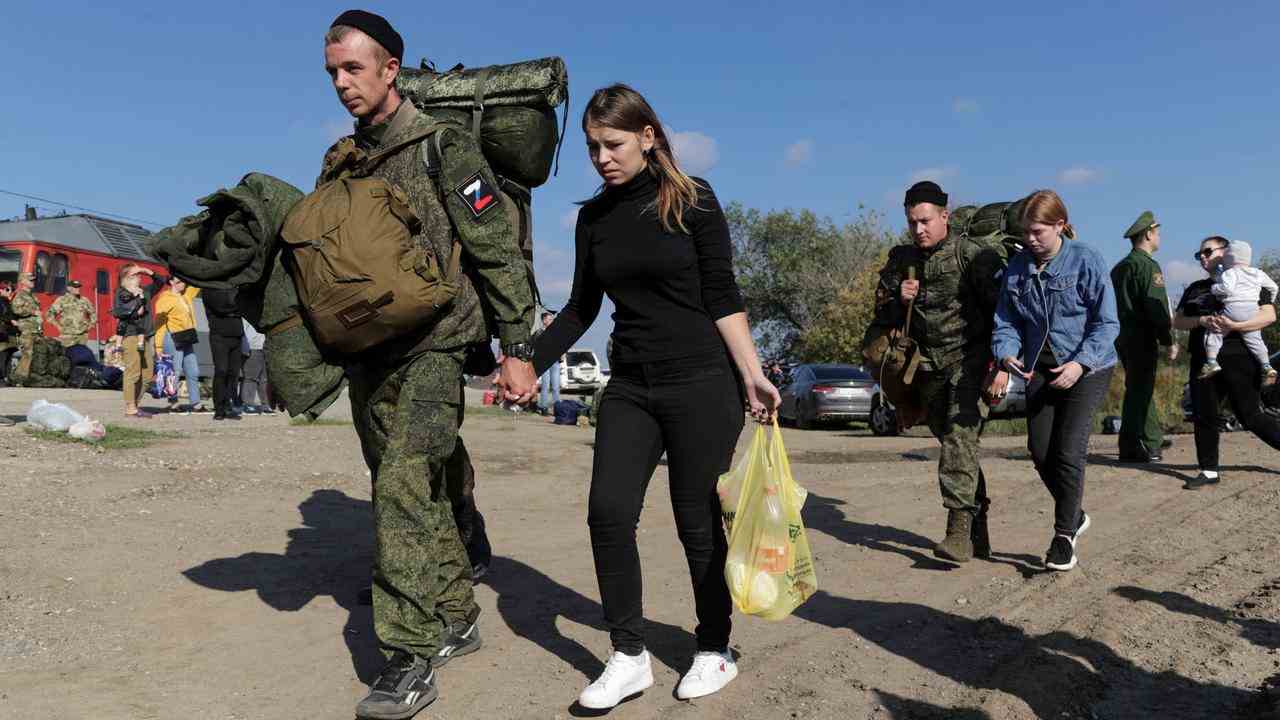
{"x": 478, "y": 195}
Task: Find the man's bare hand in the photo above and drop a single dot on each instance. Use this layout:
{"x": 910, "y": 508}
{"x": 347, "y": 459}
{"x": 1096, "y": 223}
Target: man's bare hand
{"x": 908, "y": 290}
{"x": 517, "y": 380}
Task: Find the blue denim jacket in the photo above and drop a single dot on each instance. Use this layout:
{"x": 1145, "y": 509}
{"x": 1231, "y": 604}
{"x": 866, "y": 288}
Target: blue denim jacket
{"x": 1070, "y": 302}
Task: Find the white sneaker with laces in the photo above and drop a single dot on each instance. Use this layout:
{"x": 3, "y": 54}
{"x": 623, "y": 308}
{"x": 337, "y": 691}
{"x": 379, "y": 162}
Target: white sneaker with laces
{"x": 624, "y": 675}
{"x": 710, "y": 672}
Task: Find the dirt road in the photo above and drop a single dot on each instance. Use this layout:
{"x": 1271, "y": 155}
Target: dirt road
{"x": 214, "y": 575}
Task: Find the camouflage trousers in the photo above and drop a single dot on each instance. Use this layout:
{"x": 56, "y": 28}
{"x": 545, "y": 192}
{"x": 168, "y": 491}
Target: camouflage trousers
{"x": 953, "y": 400}
{"x": 407, "y": 415}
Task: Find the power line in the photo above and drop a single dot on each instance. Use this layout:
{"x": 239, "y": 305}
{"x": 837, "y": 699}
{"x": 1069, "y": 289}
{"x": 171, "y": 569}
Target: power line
{"x": 83, "y": 209}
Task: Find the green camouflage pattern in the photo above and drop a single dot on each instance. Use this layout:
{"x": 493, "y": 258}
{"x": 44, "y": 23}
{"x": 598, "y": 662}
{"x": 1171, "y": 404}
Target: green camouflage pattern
{"x": 953, "y": 313}
{"x": 25, "y": 309}
{"x": 407, "y": 414}
{"x": 74, "y": 317}
{"x": 44, "y": 364}
{"x": 955, "y": 412}
{"x": 542, "y": 83}
{"x": 492, "y": 259}
{"x": 1142, "y": 304}
{"x": 228, "y": 244}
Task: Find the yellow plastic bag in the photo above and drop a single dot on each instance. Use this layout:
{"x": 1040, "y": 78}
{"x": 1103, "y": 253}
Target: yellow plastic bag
{"x": 769, "y": 567}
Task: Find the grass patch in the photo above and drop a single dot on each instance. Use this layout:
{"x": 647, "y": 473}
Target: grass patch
{"x": 119, "y": 437}
{"x": 302, "y": 421}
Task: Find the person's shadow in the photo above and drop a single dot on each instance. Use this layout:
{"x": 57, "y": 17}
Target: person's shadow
{"x": 825, "y": 515}
{"x": 1263, "y": 633}
{"x": 1181, "y": 473}
{"x": 330, "y": 555}
{"x": 1057, "y": 674}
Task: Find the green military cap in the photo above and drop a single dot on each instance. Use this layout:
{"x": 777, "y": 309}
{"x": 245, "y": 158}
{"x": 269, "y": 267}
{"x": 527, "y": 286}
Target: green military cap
{"x": 74, "y": 284}
{"x": 1145, "y": 222}
{"x": 29, "y": 277}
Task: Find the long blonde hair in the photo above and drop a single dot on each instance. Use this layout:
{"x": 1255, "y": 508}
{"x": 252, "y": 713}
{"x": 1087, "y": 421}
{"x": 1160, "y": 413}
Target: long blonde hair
{"x": 620, "y": 107}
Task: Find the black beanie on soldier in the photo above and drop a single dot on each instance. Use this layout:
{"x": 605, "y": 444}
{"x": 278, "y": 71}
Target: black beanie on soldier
{"x": 376, "y": 27}
{"x": 925, "y": 192}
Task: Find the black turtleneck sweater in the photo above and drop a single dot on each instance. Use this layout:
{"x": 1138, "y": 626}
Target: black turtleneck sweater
{"x": 669, "y": 288}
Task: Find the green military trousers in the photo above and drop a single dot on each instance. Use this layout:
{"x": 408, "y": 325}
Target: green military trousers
{"x": 407, "y": 415}
{"x": 953, "y": 400}
{"x": 1140, "y": 432}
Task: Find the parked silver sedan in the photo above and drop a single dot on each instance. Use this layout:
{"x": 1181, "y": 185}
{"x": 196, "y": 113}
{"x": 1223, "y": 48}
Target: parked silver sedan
{"x": 825, "y": 393}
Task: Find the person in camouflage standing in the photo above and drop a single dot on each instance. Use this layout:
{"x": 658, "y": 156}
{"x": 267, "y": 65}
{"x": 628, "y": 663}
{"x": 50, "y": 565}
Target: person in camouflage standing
{"x": 954, "y": 302}
{"x": 406, "y": 394}
{"x": 1145, "y": 322}
{"x": 73, "y": 315}
{"x": 25, "y": 309}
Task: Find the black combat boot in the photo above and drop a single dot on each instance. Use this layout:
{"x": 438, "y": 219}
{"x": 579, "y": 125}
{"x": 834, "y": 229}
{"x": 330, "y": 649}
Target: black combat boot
{"x": 981, "y": 540}
{"x": 957, "y": 546}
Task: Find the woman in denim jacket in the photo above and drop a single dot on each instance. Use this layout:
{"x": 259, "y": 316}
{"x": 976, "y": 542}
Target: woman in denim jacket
{"x": 1056, "y": 326}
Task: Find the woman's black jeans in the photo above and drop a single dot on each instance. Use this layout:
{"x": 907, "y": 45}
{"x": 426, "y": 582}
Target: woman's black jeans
{"x": 693, "y": 410}
{"x": 1058, "y": 426}
{"x": 1238, "y": 381}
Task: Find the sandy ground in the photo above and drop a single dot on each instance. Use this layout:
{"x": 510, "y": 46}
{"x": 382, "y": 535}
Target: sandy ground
{"x": 215, "y": 576}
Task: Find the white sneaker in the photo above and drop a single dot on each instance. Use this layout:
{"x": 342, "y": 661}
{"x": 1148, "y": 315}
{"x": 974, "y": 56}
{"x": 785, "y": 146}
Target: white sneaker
{"x": 710, "y": 672}
{"x": 1085, "y": 523}
{"x": 624, "y": 675}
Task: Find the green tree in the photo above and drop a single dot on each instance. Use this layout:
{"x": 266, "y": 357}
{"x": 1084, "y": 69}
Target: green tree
{"x": 792, "y": 265}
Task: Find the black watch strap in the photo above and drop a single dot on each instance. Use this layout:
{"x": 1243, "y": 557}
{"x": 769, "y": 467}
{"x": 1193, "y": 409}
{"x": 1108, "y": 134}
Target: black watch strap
{"x": 520, "y": 351}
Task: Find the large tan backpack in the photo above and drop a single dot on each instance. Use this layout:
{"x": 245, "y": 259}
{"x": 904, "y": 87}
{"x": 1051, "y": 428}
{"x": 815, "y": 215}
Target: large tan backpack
{"x": 360, "y": 276}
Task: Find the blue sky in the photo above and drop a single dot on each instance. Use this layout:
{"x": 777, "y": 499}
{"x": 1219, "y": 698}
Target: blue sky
{"x": 1121, "y": 107}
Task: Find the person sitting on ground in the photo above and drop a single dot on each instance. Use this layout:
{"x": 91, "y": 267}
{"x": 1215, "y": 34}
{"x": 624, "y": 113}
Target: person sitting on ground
{"x": 1239, "y": 286}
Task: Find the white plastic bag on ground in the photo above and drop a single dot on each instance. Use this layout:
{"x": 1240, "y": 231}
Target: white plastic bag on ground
{"x": 52, "y": 416}
{"x": 88, "y": 429}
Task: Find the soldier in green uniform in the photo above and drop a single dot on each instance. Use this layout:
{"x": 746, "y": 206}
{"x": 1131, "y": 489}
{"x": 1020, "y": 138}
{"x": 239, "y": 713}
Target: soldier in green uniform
{"x": 406, "y": 394}
{"x": 1145, "y": 322}
{"x": 954, "y": 303}
{"x": 25, "y": 309}
{"x": 73, "y": 315}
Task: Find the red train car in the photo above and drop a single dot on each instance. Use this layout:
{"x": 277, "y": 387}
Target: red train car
{"x": 73, "y": 247}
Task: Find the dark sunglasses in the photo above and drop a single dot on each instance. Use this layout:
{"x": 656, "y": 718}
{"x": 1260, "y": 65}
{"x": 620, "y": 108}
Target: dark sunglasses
{"x": 1206, "y": 252}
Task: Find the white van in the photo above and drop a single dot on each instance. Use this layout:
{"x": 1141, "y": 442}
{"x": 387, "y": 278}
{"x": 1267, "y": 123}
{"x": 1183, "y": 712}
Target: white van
{"x": 580, "y": 371}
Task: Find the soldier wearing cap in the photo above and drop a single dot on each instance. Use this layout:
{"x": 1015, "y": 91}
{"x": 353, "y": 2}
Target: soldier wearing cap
{"x": 1145, "y": 322}
{"x": 406, "y": 399}
{"x": 952, "y": 298}
{"x": 73, "y": 315}
{"x": 25, "y": 309}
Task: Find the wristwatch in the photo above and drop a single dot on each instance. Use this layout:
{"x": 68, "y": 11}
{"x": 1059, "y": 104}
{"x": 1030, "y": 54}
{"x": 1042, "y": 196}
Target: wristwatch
{"x": 520, "y": 351}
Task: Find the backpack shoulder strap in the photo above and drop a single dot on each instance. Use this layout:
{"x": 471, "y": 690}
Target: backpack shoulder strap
{"x": 374, "y": 159}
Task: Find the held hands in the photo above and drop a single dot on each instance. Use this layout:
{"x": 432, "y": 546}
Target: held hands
{"x": 762, "y": 398}
{"x": 1173, "y": 352}
{"x": 1217, "y": 324}
{"x": 997, "y": 386}
{"x": 516, "y": 380}
{"x": 908, "y": 290}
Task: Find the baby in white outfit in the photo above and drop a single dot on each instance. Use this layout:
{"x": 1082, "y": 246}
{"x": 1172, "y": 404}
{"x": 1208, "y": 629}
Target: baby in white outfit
{"x": 1239, "y": 286}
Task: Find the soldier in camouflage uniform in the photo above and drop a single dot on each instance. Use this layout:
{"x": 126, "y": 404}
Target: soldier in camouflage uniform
{"x": 73, "y": 315}
{"x": 954, "y": 303}
{"x": 1145, "y": 322}
{"x": 25, "y": 309}
{"x": 407, "y": 394}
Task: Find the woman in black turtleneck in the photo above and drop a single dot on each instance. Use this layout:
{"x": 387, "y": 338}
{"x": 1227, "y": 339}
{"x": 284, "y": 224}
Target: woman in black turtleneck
{"x": 656, "y": 241}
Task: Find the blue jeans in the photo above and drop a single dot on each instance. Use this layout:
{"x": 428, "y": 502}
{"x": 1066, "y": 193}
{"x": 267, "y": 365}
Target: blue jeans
{"x": 550, "y": 385}
{"x": 186, "y": 362}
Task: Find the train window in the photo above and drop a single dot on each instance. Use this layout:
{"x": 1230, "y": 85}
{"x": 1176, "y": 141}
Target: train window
{"x": 58, "y": 275}
{"x": 42, "y": 271}
{"x": 10, "y": 266}
{"x": 104, "y": 282}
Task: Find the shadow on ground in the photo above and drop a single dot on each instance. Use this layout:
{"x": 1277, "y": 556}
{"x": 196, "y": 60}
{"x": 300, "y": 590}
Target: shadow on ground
{"x": 1260, "y": 632}
{"x": 1056, "y": 675}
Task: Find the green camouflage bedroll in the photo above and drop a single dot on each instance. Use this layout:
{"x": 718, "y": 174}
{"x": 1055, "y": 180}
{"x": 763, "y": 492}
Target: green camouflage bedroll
{"x": 510, "y": 107}
{"x": 996, "y": 222}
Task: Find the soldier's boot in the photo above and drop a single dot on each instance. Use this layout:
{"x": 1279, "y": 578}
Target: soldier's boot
{"x": 957, "y": 546}
{"x": 981, "y": 540}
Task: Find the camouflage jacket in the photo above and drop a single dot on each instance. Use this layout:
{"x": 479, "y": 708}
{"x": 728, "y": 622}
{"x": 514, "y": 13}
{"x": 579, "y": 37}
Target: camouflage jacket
{"x": 455, "y": 196}
{"x": 954, "y": 310}
{"x": 73, "y": 315}
{"x": 26, "y": 314}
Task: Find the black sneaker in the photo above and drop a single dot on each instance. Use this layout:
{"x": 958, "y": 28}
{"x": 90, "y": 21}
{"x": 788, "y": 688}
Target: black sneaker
{"x": 1061, "y": 555}
{"x": 406, "y": 685}
{"x": 459, "y": 639}
{"x": 1200, "y": 481}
